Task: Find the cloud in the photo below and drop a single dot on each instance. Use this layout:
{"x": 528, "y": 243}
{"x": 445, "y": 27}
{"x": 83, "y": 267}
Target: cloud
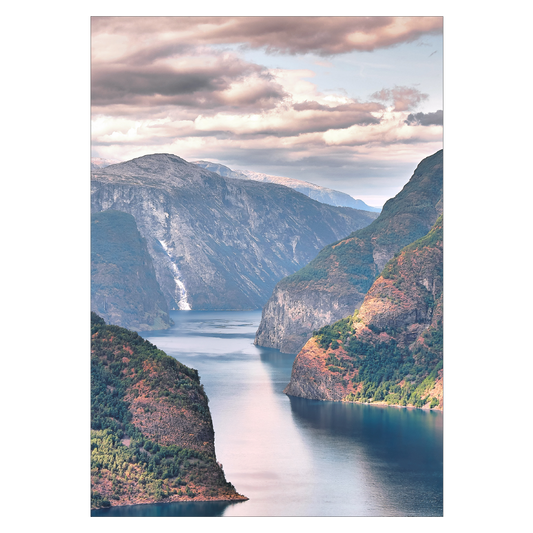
{"x": 180, "y": 85}
{"x": 392, "y": 129}
{"x": 323, "y": 36}
{"x": 402, "y": 98}
{"x": 204, "y": 80}
{"x": 293, "y": 120}
{"x": 212, "y": 81}
{"x": 425, "y": 119}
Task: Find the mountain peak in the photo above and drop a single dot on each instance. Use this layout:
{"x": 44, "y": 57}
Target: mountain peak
{"x": 164, "y": 170}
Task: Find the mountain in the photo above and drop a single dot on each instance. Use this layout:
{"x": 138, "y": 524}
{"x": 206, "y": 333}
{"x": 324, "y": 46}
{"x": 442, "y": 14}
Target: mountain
{"x": 335, "y": 283}
{"x": 215, "y": 242}
{"x": 99, "y": 162}
{"x": 124, "y": 288}
{"x": 221, "y": 170}
{"x": 320, "y": 194}
{"x": 390, "y": 350}
{"x": 152, "y": 437}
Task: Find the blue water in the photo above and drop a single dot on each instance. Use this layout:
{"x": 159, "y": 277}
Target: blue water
{"x": 296, "y": 457}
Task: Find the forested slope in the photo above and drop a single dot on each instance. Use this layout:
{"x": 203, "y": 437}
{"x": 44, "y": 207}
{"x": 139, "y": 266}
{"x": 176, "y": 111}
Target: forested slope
{"x": 152, "y": 437}
{"x": 391, "y": 349}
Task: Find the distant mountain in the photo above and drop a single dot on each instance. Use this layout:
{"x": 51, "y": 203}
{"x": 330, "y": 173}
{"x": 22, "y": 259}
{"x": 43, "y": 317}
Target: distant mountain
{"x": 335, "y": 283}
{"x": 221, "y": 170}
{"x": 124, "y": 288}
{"x": 152, "y": 437}
{"x": 320, "y": 194}
{"x": 98, "y": 162}
{"x": 216, "y": 242}
{"x": 391, "y": 350}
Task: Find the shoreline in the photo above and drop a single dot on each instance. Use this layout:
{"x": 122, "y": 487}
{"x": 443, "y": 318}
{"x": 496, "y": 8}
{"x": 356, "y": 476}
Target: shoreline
{"x": 179, "y": 499}
{"x": 378, "y": 404}
{"x": 384, "y": 404}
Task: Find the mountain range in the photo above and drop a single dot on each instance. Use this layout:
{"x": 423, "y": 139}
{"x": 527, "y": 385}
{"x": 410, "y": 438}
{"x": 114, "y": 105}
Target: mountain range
{"x": 390, "y": 351}
{"x": 335, "y": 283}
{"x": 216, "y": 242}
{"x": 316, "y": 192}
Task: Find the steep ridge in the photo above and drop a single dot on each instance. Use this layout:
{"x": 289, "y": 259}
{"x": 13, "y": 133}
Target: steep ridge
{"x": 218, "y": 243}
{"x": 124, "y": 288}
{"x": 316, "y": 192}
{"x": 335, "y": 283}
{"x": 152, "y": 437}
{"x": 390, "y": 351}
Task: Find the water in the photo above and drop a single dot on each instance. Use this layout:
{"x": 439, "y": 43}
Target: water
{"x": 296, "y": 457}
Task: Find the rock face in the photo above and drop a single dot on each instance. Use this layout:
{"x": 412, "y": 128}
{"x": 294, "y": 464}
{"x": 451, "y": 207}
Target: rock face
{"x": 124, "y": 288}
{"x": 316, "y": 192}
{"x": 390, "y": 351}
{"x": 335, "y": 283}
{"x": 218, "y": 243}
{"x": 310, "y": 377}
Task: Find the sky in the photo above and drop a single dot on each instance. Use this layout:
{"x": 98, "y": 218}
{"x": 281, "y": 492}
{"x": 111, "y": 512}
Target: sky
{"x": 350, "y": 103}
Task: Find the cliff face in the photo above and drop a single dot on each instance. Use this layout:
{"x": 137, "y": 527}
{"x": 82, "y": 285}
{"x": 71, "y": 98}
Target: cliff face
{"x": 390, "y": 350}
{"x": 335, "y": 283}
{"x": 124, "y": 288}
{"x": 218, "y": 243}
{"x": 152, "y": 437}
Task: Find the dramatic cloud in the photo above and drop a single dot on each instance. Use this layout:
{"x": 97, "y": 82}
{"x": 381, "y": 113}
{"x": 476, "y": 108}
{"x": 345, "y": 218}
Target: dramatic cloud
{"x": 425, "y": 119}
{"x": 300, "y": 118}
{"x": 203, "y": 88}
{"x": 289, "y": 35}
{"x": 389, "y": 132}
{"x": 204, "y": 80}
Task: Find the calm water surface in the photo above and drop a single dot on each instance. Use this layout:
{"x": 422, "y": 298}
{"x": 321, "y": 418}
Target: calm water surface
{"x": 296, "y": 457}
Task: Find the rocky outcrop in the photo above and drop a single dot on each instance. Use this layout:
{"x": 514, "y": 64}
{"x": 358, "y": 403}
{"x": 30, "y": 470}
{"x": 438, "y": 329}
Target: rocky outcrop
{"x": 390, "y": 350}
{"x": 311, "y": 379}
{"x": 335, "y": 283}
{"x": 124, "y": 288}
{"x": 218, "y": 243}
{"x": 290, "y": 316}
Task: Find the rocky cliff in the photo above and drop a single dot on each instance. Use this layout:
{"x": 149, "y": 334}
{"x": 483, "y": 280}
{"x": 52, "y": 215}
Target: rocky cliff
{"x": 335, "y": 283}
{"x": 152, "y": 437}
{"x": 390, "y": 351}
{"x": 218, "y": 243}
{"x": 316, "y": 192}
{"x": 124, "y": 288}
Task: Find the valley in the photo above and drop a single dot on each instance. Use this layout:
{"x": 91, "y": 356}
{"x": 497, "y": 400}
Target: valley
{"x": 335, "y": 283}
{"x": 340, "y": 307}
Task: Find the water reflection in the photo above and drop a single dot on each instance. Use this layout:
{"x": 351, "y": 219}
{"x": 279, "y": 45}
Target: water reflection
{"x": 168, "y": 509}
{"x": 398, "y": 452}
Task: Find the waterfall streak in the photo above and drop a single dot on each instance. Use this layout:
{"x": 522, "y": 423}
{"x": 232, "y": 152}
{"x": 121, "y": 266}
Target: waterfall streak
{"x": 181, "y": 292}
